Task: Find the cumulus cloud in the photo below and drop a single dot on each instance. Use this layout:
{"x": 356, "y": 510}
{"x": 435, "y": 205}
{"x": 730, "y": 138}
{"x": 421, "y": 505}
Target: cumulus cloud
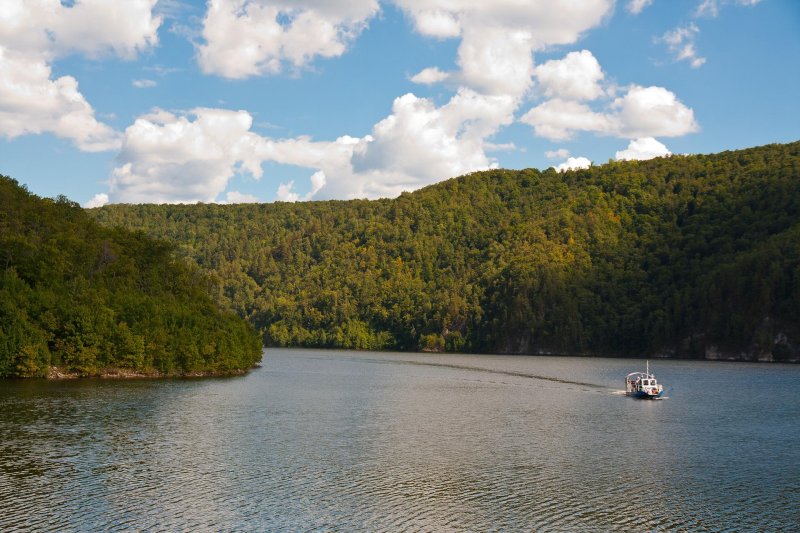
{"x": 429, "y": 76}
{"x": 189, "y": 158}
{"x": 574, "y": 163}
{"x": 31, "y": 102}
{"x": 561, "y": 153}
{"x": 653, "y": 112}
{"x": 642, "y": 149}
{"x": 33, "y": 34}
{"x": 636, "y": 6}
{"x": 236, "y": 197}
{"x": 577, "y": 77}
{"x": 49, "y": 28}
{"x": 498, "y": 38}
{"x": 420, "y": 143}
{"x": 641, "y": 112}
{"x": 169, "y": 158}
{"x": 286, "y": 192}
{"x": 551, "y": 21}
{"x": 681, "y": 42}
{"x": 558, "y": 119}
{"x": 417, "y": 144}
{"x": 246, "y": 38}
{"x": 98, "y": 200}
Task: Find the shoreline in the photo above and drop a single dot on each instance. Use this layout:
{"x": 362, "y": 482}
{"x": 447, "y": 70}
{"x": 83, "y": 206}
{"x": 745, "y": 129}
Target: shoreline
{"x": 58, "y": 374}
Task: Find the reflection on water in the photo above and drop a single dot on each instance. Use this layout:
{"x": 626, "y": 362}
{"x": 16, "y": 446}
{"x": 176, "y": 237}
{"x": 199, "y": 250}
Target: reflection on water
{"x": 350, "y": 441}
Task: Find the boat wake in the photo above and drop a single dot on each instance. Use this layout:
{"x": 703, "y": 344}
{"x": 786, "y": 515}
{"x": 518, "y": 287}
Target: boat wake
{"x": 494, "y": 371}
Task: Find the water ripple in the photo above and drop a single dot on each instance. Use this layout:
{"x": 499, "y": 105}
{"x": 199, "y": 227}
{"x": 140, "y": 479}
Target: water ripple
{"x": 355, "y": 442}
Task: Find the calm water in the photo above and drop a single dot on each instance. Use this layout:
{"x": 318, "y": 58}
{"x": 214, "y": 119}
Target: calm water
{"x": 346, "y": 441}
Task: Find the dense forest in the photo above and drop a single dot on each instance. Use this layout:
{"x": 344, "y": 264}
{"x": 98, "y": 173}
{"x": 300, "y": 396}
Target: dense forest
{"x": 686, "y": 256}
{"x": 80, "y": 299}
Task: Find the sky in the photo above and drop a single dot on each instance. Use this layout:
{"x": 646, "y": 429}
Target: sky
{"x": 231, "y": 101}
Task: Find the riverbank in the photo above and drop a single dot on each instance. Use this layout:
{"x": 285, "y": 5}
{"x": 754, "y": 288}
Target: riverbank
{"x": 57, "y": 373}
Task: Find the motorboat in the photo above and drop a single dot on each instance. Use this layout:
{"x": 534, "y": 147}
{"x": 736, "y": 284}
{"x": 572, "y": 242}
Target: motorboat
{"x": 643, "y": 385}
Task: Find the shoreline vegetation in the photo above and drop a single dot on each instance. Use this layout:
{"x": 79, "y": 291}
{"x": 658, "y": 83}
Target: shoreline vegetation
{"x": 56, "y": 373}
{"x": 86, "y": 299}
{"x": 694, "y": 257}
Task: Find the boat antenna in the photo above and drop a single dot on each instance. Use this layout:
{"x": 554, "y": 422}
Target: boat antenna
{"x": 647, "y": 371}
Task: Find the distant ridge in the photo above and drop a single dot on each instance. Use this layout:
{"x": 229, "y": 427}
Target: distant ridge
{"x": 687, "y": 256}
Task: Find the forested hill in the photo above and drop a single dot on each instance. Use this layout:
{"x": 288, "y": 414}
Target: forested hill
{"x": 687, "y": 256}
{"x": 76, "y": 298}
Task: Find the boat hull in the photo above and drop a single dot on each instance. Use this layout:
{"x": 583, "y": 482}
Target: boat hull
{"x": 641, "y": 395}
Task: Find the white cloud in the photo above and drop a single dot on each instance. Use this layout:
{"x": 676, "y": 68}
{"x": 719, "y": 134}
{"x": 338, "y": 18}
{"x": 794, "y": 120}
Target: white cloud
{"x": 246, "y": 38}
{"x": 435, "y": 22}
{"x": 98, "y": 200}
{"x": 551, "y": 22}
{"x": 286, "y": 192}
{"x": 498, "y": 38}
{"x": 34, "y": 33}
{"x": 636, "y": 6}
{"x": 561, "y": 153}
{"x": 707, "y": 8}
{"x": 191, "y": 157}
{"x": 642, "y": 149}
{"x": 97, "y": 27}
{"x": 496, "y": 60}
{"x": 170, "y": 158}
{"x": 558, "y": 119}
{"x": 32, "y": 103}
{"x": 576, "y": 77}
{"x": 236, "y": 197}
{"x": 642, "y": 112}
{"x": 429, "y": 76}
{"x": 420, "y": 143}
{"x": 318, "y": 181}
{"x": 710, "y": 8}
{"x": 681, "y": 43}
{"x": 500, "y": 147}
{"x": 653, "y": 112}
{"x": 144, "y": 83}
{"x": 167, "y": 158}
{"x": 48, "y": 28}
{"x": 574, "y": 163}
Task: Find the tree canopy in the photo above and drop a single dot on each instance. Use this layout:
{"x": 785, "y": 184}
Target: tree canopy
{"x": 87, "y": 299}
{"x": 686, "y": 256}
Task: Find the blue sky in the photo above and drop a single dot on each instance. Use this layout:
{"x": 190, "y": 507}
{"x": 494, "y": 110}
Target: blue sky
{"x": 259, "y": 100}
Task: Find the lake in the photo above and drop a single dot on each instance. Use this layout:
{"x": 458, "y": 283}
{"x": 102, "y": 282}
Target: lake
{"x": 344, "y": 441}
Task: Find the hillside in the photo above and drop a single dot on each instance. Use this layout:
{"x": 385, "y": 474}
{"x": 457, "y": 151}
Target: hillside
{"x": 79, "y": 299}
{"x": 686, "y": 256}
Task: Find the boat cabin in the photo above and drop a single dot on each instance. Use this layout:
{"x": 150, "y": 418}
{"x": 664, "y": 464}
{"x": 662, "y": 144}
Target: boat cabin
{"x": 642, "y": 384}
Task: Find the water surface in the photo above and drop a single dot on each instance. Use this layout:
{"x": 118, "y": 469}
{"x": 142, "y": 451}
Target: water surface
{"x": 345, "y": 441}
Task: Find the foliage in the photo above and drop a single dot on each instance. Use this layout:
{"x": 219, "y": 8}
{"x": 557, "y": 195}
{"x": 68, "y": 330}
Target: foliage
{"x": 668, "y": 255}
{"x": 85, "y": 299}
